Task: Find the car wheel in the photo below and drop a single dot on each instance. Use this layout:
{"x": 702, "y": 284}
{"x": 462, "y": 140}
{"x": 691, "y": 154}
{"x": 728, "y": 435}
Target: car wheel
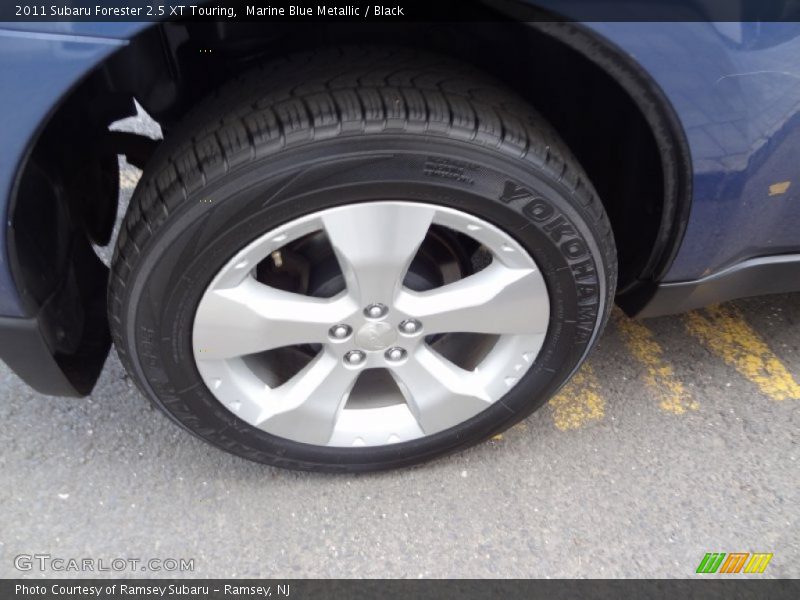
{"x": 359, "y": 259}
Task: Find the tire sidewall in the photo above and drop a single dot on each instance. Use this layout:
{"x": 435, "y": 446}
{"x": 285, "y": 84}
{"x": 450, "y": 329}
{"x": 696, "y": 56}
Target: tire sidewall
{"x": 218, "y": 220}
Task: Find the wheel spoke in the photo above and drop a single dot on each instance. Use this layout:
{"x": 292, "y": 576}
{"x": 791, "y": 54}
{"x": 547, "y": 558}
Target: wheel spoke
{"x": 253, "y": 317}
{"x": 375, "y": 245}
{"x": 439, "y": 393}
{"x": 306, "y": 407}
{"x": 496, "y": 300}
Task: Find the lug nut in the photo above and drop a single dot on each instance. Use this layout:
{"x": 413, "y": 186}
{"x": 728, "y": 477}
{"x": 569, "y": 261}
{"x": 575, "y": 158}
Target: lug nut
{"x": 410, "y": 326}
{"x": 375, "y": 311}
{"x": 395, "y": 354}
{"x": 340, "y": 332}
{"x": 354, "y": 357}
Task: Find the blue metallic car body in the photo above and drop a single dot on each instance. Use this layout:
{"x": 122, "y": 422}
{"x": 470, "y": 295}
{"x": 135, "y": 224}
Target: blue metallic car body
{"x": 736, "y": 90}
{"x": 734, "y": 86}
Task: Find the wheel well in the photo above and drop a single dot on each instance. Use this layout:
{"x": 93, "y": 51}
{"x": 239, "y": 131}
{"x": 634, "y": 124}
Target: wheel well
{"x": 610, "y": 114}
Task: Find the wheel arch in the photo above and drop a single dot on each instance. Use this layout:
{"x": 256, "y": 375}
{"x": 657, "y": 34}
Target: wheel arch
{"x": 168, "y": 66}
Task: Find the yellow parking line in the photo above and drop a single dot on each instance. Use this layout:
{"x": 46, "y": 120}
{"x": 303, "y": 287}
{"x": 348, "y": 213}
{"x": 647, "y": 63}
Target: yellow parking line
{"x": 579, "y": 401}
{"x": 725, "y": 332}
{"x": 673, "y": 396}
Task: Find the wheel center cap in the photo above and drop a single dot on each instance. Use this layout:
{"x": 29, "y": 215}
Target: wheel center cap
{"x": 376, "y": 336}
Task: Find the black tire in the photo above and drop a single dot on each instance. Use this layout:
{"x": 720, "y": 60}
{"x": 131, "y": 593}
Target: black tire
{"x": 442, "y": 134}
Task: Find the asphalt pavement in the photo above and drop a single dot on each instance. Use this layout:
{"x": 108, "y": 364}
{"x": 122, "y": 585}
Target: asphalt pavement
{"x": 679, "y": 438}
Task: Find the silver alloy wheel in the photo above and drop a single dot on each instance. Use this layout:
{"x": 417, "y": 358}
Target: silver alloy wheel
{"x": 375, "y": 323}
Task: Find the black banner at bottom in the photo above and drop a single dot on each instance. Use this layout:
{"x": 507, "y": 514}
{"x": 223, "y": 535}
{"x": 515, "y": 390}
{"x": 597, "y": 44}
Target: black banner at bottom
{"x": 300, "y": 589}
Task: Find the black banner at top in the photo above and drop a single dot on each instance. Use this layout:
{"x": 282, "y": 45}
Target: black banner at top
{"x": 398, "y": 11}
{"x": 369, "y": 589}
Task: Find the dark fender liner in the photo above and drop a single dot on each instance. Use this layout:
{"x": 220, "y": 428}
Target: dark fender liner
{"x": 61, "y": 350}
{"x": 670, "y": 139}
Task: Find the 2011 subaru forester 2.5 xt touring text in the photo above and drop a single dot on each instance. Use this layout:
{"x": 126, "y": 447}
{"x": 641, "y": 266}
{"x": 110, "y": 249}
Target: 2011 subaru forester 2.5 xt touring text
{"x": 361, "y": 247}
